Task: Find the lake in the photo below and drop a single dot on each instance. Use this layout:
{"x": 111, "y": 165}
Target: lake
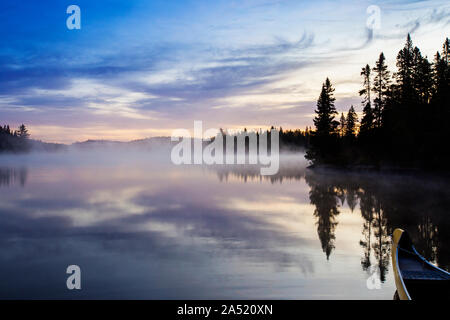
{"x": 140, "y": 227}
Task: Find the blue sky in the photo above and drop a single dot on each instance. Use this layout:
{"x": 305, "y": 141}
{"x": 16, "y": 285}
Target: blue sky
{"x": 143, "y": 68}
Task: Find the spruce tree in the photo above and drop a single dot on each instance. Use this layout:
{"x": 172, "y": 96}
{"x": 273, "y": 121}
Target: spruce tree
{"x": 422, "y": 77}
{"x": 326, "y": 111}
{"x": 446, "y": 51}
{"x": 342, "y": 125}
{"x": 446, "y": 58}
{"x": 441, "y": 75}
{"x": 441, "y": 93}
{"x": 352, "y": 120}
{"x": 23, "y": 132}
{"x": 367, "y": 120}
{"x": 404, "y": 75}
{"x": 367, "y": 87}
{"x": 368, "y": 117}
{"x": 381, "y": 88}
{"x": 323, "y": 147}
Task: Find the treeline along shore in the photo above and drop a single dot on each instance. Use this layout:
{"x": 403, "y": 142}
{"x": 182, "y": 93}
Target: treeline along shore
{"x": 18, "y": 141}
{"x": 14, "y": 140}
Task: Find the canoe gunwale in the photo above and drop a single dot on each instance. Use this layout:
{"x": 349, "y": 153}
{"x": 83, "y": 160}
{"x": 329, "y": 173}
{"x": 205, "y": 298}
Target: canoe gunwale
{"x": 400, "y": 284}
{"x": 402, "y": 290}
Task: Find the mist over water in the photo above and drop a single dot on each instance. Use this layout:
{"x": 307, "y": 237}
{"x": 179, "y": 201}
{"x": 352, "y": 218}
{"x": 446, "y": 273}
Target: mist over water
{"x": 141, "y": 227}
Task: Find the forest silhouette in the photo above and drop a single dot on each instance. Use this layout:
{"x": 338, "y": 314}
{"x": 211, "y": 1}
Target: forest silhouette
{"x": 14, "y": 140}
{"x": 405, "y": 114}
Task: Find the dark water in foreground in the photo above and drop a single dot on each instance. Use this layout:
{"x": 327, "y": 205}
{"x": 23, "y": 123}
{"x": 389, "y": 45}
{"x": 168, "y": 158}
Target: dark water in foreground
{"x": 144, "y": 229}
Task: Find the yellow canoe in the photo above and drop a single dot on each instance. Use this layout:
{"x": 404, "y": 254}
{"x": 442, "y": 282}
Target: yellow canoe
{"x": 415, "y": 277}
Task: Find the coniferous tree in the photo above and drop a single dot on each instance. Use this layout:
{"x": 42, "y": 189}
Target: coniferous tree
{"x": 440, "y": 104}
{"x": 326, "y": 111}
{"x": 439, "y": 70}
{"x": 381, "y": 88}
{"x": 368, "y": 117}
{"x": 446, "y": 58}
{"x": 446, "y": 51}
{"x": 352, "y": 120}
{"x": 23, "y": 132}
{"x": 425, "y": 80}
{"x": 404, "y": 75}
{"x": 367, "y": 87}
{"x": 405, "y": 111}
{"x": 441, "y": 75}
{"x": 422, "y": 77}
{"x": 323, "y": 144}
{"x": 342, "y": 125}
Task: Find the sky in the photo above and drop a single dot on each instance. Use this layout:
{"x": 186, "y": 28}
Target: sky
{"x": 139, "y": 69}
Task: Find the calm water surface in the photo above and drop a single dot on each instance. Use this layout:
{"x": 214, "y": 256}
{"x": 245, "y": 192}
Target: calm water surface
{"x": 141, "y": 228}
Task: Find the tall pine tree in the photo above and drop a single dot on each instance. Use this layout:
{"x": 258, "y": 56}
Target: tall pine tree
{"x": 381, "y": 88}
{"x": 404, "y": 75}
{"x": 368, "y": 117}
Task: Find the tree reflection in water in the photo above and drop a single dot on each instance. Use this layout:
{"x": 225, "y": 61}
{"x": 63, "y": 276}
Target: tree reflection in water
{"x": 324, "y": 196}
{"x": 12, "y": 176}
{"x": 419, "y": 204}
{"x": 375, "y": 230}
